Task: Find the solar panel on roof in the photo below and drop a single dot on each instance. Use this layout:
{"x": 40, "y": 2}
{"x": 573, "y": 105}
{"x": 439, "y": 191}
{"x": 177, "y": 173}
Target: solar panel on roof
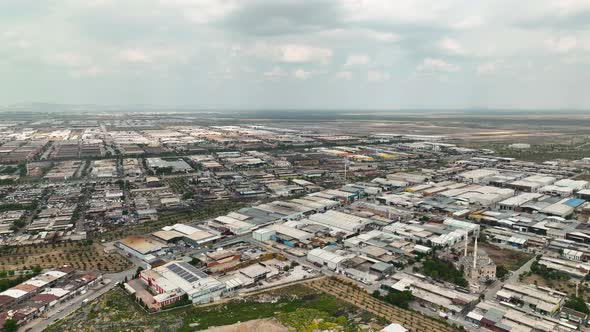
{"x": 194, "y": 270}
{"x": 187, "y": 272}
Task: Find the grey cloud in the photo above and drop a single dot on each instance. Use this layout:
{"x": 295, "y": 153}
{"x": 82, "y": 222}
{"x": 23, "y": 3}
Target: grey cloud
{"x": 151, "y": 51}
{"x": 262, "y": 18}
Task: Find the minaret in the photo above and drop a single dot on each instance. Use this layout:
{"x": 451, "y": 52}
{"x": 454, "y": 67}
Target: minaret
{"x": 466, "y": 242}
{"x": 475, "y": 254}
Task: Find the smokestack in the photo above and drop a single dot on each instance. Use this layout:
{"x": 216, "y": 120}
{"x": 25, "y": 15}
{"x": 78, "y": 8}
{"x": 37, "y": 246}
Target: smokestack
{"x": 475, "y": 254}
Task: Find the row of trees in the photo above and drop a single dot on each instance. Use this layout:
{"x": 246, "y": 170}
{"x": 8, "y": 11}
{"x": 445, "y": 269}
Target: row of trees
{"x": 395, "y": 297}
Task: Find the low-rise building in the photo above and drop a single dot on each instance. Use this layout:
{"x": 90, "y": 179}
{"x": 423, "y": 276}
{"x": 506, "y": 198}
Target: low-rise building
{"x": 172, "y": 280}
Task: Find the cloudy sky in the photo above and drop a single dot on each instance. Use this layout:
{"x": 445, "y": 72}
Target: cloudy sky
{"x": 352, "y": 54}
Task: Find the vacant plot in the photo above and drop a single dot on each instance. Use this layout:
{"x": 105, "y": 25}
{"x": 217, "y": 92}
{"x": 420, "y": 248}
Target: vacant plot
{"x": 258, "y": 325}
{"x": 80, "y": 255}
{"x": 510, "y": 259}
{"x": 116, "y": 311}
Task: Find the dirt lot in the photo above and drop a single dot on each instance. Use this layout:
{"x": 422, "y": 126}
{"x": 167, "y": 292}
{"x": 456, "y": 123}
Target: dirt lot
{"x": 80, "y": 255}
{"x": 510, "y": 259}
{"x": 257, "y": 325}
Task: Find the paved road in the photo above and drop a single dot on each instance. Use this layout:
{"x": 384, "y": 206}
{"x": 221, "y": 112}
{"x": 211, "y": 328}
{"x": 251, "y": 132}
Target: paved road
{"x": 491, "y": 291}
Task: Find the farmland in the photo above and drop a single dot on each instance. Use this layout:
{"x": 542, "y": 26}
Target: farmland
{"x": 80, "y": 255}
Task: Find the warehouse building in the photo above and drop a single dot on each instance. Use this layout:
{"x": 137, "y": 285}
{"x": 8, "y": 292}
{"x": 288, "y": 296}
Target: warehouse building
{"x": 141, "y": 247}
{"x": 190, "y": 235}
{"x": 327, "y": 258}
{"x": 541, "y": 300}
{"x": 172, "y": 280}
{"x": 497, "y": 317}
{"x": 575, "y": 269}
{"x": 532, "y": 183}
{"x": 514, "y": 203}
{"x": 429, "y": 293}
{"x": 476, "y": 176}
{"x": 290, "y": 236}
{"x": 340, "y": 221}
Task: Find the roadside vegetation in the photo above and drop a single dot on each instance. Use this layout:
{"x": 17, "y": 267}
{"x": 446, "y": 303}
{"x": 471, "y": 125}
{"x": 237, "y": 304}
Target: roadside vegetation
{"x": 296, "y": 306}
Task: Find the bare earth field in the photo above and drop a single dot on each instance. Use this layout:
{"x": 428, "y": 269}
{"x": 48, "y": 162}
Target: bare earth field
{"x": 510, "y": 259}
{"x": 257, "y": 325}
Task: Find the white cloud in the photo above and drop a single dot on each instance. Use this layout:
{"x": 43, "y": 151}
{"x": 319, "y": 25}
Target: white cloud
{"x": 147, "y": 56}
{"x": 301, "y": 74}
{"x": 202, "y": 11}
{"x": 451, "y": 46}
{"x": 275, "y": 73}
{"x": 383, "y": 36}
{"x": 377, "y": 76}
{"x": 469, "y": 22}
{"x": 344, "y": 75}
{"x": 92, "y": 71}
{"x": 487, "y": 68}
{"x": 357, "y": 60}
{"x": 300, "y": 53}
{"x": 568, "y": 7}
{"x": 403, "y": 11}
{"x": 69, "y": 59}
{"x": 430, "y": 65}
{"x": 562, "y": 44}
{"x": 135, "y": 55}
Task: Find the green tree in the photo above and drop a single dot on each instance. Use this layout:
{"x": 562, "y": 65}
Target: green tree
{"x": 444, "y": 270}
{"x": 501, "y": 272}
{"x": 578, "y": 304}
{"x": 10, "y": 325}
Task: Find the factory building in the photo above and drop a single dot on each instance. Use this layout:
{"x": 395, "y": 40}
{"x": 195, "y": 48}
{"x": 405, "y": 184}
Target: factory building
{"x": 326, "y": 258}
{"x": 172, "y": 280}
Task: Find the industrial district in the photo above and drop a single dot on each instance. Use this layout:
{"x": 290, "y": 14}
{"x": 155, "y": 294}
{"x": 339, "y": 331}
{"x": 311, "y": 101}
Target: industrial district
{"x": 183, "y": 217}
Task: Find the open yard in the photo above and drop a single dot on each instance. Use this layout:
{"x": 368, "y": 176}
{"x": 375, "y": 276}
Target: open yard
{"x": 294, "y": 306}
{"x": 510, "y": 259}
{"x": 80, "y": 255}
{"x": 258, "y": 325}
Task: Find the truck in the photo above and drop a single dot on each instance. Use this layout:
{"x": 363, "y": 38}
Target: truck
{"x": 85, "y": 301}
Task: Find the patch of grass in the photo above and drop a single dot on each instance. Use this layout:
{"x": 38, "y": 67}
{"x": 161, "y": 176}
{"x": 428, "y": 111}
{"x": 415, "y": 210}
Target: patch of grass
{"x": 116, "y": 311}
